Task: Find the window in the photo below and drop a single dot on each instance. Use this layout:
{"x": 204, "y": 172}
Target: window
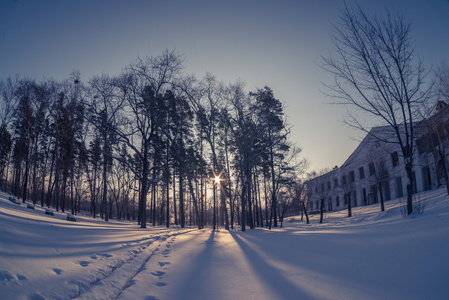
{"x": 395, "y": 158}
{"x": 371, "y": 169}
{"x": 338, "y": 201}
{"x": 362, "y": 172}
{"x": 328, "y": 185}
{"x": 343, "y": 179}
{"x": 426, "y": 178}
{"x": 335, "y": 182}
{"x": 423, "y": 145}
{"x": 351, "y": 176}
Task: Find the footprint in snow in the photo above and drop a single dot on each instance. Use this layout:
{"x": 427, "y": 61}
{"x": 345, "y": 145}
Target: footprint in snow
{"x": 21, "y": 277}
{"x": 158, "y": 273}
{"x": 105, "y": 255}
{"x": 93, "y": 257}
{"x": 163, "y": 263}
{"x": 57, "y": 271}
{"x": 161, "y": 284}
{"x": 84, "y": 263}
{"x": 150, "y": 298}
{"x": 6, "y": 276}
{"x": 37, "y": 296}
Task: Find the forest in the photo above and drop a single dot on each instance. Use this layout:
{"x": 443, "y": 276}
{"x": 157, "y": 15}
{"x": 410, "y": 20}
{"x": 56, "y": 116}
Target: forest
{"x": 153, "y": 145}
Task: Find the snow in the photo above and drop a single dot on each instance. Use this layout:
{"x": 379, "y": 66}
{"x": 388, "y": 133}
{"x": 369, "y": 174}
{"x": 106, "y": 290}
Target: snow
{"x": 372, "y": 255}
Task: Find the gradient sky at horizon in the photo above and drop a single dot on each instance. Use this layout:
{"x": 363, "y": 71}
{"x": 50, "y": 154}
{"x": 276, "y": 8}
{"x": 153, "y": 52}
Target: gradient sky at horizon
{"x": 273, "y": 43}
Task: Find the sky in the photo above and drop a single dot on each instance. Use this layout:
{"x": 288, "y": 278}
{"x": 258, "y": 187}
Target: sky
{"x": 279, "y": 44}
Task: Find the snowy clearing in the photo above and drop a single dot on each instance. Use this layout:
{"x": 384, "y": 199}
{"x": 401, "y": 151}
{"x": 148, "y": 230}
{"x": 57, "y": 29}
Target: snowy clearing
{"x": 373, "y": 255}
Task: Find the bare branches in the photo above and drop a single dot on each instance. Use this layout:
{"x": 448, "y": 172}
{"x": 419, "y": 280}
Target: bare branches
{"x": 375, "y": 67}
{"x": 377, "y": 71}
{"x": 443, "y": 83}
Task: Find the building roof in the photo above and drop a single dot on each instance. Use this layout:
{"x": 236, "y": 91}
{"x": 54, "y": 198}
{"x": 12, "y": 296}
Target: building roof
{"x": 380, "y": 136}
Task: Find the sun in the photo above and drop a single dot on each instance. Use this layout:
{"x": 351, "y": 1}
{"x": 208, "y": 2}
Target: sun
{"x": 217, "y": 179}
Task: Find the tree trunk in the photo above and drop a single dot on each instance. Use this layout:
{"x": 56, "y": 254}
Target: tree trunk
{"x": 215, "y": 207}
{"x": 167, "y": 209}
{"x": 105, "y": 186}
{"x": 408, "y": 167}
{"x": 223, "y": 205}
{"x": 249, "y": 199}
{"x": 321, "y": 210}
{"x": 195, "y": 204}
{"x": 182, "y": 216}
{"x": 305, "y": 211}
{"x": 273, "y": 188}
{"x": 144, "y": 189}
{"x": 243, "y": 200}
{"x": 25, "y": 180}
{"x": 349, "y": 205}
{"x": 445, "y": 170}
{"x": 382, "y": 205}
{"x": 57, "y": 184}
{"x": 175, "y": 213}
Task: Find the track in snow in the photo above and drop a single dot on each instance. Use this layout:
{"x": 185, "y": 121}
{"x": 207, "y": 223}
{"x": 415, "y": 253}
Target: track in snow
{"x": 114, "y": 283}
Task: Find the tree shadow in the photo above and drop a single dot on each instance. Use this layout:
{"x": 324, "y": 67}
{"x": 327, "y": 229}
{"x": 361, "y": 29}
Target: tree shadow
{"x": 198, "y": 272}
{"x": 272, "y": 277}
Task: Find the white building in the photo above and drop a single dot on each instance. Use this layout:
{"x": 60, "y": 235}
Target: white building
{"x": 378, "y": 161}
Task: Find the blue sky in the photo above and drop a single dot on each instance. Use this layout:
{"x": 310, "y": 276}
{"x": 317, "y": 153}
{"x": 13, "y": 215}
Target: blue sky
{"x": 273, "y": 43}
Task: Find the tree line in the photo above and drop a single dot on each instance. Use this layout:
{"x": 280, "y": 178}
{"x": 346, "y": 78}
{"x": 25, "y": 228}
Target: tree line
{"x": 150, "y": 144}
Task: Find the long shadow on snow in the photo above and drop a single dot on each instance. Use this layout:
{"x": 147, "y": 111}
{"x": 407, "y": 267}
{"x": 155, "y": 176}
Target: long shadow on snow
{"x": 273, "y": 279}
{"x": 186, "y": 292}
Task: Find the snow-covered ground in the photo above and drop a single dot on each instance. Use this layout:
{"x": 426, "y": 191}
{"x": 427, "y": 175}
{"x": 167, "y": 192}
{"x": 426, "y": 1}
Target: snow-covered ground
{"x": 373, "y": 255}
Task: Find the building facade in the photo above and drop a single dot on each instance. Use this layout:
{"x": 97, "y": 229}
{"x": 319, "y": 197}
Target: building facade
{"x": 376, "y": 168}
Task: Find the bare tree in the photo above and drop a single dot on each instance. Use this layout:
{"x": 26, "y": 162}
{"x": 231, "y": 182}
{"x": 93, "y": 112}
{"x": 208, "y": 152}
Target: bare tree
{"x": 142, "y": 87}
{"x": 103, "y": 109}
{"x": 378, "y": 162}
{"x": 322, "y": 189}
{"x": 378, "y": 73}
{"x": 8, "y": 89}
{"x": 347, "y": 184}
{"x": 443, "y": 83}
{"x": 301, "y": 197}
{"x": 435, "y": 139}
